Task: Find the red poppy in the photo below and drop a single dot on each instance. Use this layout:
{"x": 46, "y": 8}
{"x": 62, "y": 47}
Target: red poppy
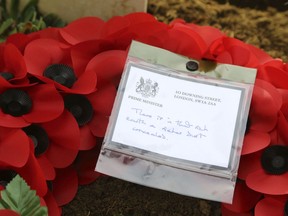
{"x": 232, "y": 51}
{"x": 64, "y": 187}
{"x": 262, "y": 119}
{"x": 92, "y": 113}
{"x": 266, "y": 171}
{"x": 55, "y": 65}
{"x": 207, "y": 33}
{"x": 85, "y": 165}
{"x": 248, "y": 164}
{"x": 275, "y": 73}
{"x": 92, "y": 48}
{"x": 136, "y": 26}
{"x": 13, "y": 69}
{"x": 33, "y": 174}
{"x": 185, "y": 41}
{"x": 56, "y": 143}
{"x": 33, "y": 104}
{"x": 21, "y": 40}
{"x": 244, "y": 199}
{"x": 227, "y": 212}
{"x": 284, "y": 107}
{"x": 7, "y": 212}
{"x": 49, "y": 147}
{"x": 108, "y": 66}
{"x": 50, "y": 202}
{"x": 276, "y": 206}
{"x": 64, "y": 138}
{"x": 14, "y": 147}
{"x": 82, "y": 29}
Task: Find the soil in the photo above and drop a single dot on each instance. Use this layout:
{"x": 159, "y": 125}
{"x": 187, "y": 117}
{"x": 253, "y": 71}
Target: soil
{"x": 262, "y": 23}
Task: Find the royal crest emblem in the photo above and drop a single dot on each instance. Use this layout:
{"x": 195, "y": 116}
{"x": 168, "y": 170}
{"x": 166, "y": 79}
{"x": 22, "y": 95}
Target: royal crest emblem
{"x": 147, "y": 88}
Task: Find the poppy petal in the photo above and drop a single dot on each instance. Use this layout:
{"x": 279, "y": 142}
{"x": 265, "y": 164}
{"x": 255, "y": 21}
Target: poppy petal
{"x": 64, "y": 136}
{"x": 65, "y": 186}
{"x": 264, "y": 118}
{"x": 269, "y": 206}
{"x": 244, "y": 198}
{"x": 207, "y": 33}
{"x": 49, "y": 55}
{"x": 140, "y": 17}
{"x": 52, "y": 205}
{"x": 14, "y": 62}
{"x": 276, "y": 76}
{"x": 190, "y": 45}
{"x": 282, "y": 127}
{"x": 86, "y": 83}
{"x": 46, "y": 99}
{"x": 108, "y": 66}
{"x": 99, "y": 124}
{"x": 227, "y": 212}
{"x": 47, "y": 167}
{"x": 103, "y": 99}
{"x": 261, "y": 56}
{"x": 20, "y": 40}
{"x": 225, "y": 58}
{"x": 248, "y": 164}
{"x": 10, "y": 121}
{"x": 268, "y": 184}
{"x": 85, "y": 165}
{"x": 7, "y": 212}
{"x": 83, "y": 29}
{"x": 15, "y": 147}
{"x": 114, "y": 27}
{"x": 272, "y": 91}
{"x": 83, "y": 52}
{"x": 87, "y": 141}
{"x": 33, "y": 174}
{"x": 255, "y": 141}
{"x": 46, "y": 33}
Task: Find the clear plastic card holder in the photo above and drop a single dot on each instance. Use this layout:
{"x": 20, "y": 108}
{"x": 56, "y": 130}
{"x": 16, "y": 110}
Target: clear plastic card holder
{"x": 178, "y": 124}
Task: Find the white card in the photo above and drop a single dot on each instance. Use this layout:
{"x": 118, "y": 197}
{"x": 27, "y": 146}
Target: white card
{"x": 192, "y": 120}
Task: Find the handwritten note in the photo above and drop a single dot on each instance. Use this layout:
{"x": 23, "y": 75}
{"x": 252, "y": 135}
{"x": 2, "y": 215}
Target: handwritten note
{"x": 176, "y": 117}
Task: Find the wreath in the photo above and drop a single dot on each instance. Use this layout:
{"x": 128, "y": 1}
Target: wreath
{"x": 58, "y": 85}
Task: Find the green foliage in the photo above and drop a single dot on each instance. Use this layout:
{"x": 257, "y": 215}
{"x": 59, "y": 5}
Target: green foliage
{"x": 20, "y": 198}
{"x": 27, "y": 20}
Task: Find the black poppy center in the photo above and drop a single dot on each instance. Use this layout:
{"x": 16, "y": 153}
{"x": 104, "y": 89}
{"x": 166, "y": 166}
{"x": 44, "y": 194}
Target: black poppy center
{"x": 274, "y": 159}
{"x": 7, "y": 75}
{"x": 50, "y": 185}
{"x": 39, "y": 137}
{"x": 6, "y": 176}
{"x": 15, "y": 102}
{"x": 80, "y": 107}
{"x": 60, "y": 73}
{"x": 76, "y": 111}
{"x": 286, "y": 208}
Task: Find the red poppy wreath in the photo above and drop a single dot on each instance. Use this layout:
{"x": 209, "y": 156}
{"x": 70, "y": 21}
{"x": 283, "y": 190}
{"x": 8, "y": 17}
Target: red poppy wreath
{"x": 58, "y": 85}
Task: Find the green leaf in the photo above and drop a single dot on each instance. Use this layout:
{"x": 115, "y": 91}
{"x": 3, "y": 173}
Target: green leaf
{"x": 53, "y": 20}
{"x": 6, "y": 25}
{"x": 3, "y": 11}
{"x": 28, "y": 14}
{"x": 14, "y": 9}
{"x": 20, "y": 198}
{"x": 31, "y": 3}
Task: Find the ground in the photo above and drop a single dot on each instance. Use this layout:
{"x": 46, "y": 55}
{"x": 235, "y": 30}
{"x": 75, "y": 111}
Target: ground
{"x": 262, "y": 23}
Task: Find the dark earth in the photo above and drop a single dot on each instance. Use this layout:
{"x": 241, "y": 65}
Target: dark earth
{"x": 262, "y": 23}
